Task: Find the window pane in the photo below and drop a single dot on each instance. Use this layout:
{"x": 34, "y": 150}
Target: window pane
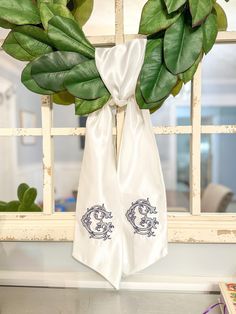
{"x": 64, "y": 116}
{"x": 218, "y": 173}
{"x": 218, "y": 85}
{"x": 102, "y": 20}
{"x": 14, "y": 97}
{"x": 20, "y": 163}
{"x": 132, "y": 15}
{"x": 175, "y": 158}
{"x": 68, "y": 158}
{"x": 175, "y": 110}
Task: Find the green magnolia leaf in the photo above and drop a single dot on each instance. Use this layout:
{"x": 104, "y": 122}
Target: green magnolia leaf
{"x": 143, "y": 104}
{"x": 5, "y": 24}
{"x": 177, "y": 88}
{"x": 84, "y": 81}
{"x": 33, "y": 40}
{"x": 221, "y": 18}
{"x": 155, "y": 17}
{"x": 210, "y": 31}
{"x": 63, "y": 98}
{"x": 19, "y": 12}
{"x": 22, "y": 188}
{"x": 67, "y": 35}
{"x": 200, "y": 9}
{"x": 30, "y": 83}
{"x": 156, "y": 82}
{"x": 182, "y": 46}
{"x": 50, "y": 70}
{"x": 14, "y": 49}
{"x": 84, "y": 107}
{"x": 48, "y": 11}
{"x": 83, "y": 10}
{"x": 174, "y": 5}
{"x": 63, "y": 2}
{"x": 188, "y": 75}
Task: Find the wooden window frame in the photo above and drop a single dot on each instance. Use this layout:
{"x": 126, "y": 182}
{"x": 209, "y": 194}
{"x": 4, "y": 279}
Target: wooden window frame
{"x": 192, "y": 227}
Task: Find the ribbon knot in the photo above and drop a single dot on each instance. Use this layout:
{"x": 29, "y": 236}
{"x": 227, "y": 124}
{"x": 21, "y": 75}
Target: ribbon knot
{"x": 119, "y": 68}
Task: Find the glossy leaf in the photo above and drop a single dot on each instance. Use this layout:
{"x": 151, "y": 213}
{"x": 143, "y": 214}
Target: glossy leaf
{"x": 84, "y": 81}
{"x": 33, "y": 39}
{"x": 13, "y": 48}
{"x": 50, "y": 70}
{"x": 29, "y": 82}
{"x": 188, "y": 75}
{"x": 5, "y": 24}
{"x": 156, "y": 82}
{"x": 83, "y": 10}
{"x": 155, "y": 17}
{"x": 19, "y": 12}
{"x": 177, "y": 88}
{"x": 182, "y": 46}
{"x": 200, "y": 9}
{"x": 143, "y": 104}
{"x": 67, "y": 35}
{"x": 174, "y": 5}
{"x": 48, "y": 11}
{"x": 84, "y": 107}
{"x": 22, "y": 188}
{"x": 210, "y": 31}
{"x": 63, "y": 98}
{"x": 221, "y": 18}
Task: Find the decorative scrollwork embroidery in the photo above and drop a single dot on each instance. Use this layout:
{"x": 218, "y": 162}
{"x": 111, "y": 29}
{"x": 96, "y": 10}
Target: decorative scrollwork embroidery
{"x": 138, "y": 217}
{"x": 93, "y": 221}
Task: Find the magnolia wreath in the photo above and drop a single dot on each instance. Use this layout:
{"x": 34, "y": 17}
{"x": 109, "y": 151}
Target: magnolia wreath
{"x": 48, "y": 34}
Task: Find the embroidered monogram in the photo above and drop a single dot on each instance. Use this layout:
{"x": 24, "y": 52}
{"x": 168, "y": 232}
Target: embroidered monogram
{"x": 138, "y": 217}
{"x": 94, "y": 220}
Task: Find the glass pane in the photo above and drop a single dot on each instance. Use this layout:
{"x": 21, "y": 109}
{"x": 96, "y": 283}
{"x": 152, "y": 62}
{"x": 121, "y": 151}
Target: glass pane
{"x": 175, "y": 158}
{"x": 175, "y": 110}
{"x": 21, "y": 163}
{"x": 218, "y": 85}
{"x": 102, "y": 20}
{"x": 218, "y": 173}
{"x": 14, "y": 97}
{"x": 132, "y": 15}
{"x": 68, "y": 158}
{"x": 64, "y": 116}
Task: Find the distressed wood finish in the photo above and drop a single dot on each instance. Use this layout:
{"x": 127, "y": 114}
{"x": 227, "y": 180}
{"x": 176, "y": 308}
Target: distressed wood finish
{"x": 195, "y": 152}
{"x": 48, "y": 162}
{"x": 119, "y": 39}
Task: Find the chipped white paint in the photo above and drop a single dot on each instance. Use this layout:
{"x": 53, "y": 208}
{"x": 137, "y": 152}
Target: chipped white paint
{"x": 183, "y": 227}
{"x": 195, "y": 151}
{"x": 48, "y": 162}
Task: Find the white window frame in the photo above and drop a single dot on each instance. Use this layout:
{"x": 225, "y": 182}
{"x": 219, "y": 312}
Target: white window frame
{"x": 192, "y": 227}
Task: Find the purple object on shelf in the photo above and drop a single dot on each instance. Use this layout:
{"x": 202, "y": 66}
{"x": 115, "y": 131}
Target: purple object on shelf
{"x": 213, "y": 306}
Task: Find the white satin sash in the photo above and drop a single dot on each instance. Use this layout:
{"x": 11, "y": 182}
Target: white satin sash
{"x": 121, "y": 209}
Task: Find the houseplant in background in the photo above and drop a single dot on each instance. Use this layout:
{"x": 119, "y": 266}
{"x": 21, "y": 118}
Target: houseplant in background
{"x": 25, "y": 203}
